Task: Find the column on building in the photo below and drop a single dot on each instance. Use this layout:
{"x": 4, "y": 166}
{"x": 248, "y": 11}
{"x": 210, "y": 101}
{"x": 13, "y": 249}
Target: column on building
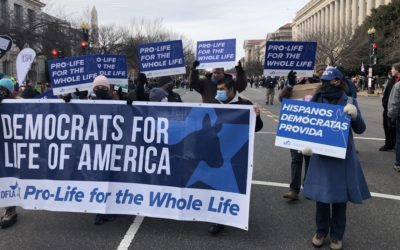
{"x": 331, "y": 19}
{"x": 337, "y": 18}
{"x": 348, "y": 17}
{"x": 370, "y": 6}
{"x": 342, "y": 18}
{"x": 354, "y": 15}
{"x": 327, "y": 20}
{"x": 378, "y": 3}
{"x": 361, "y": 12}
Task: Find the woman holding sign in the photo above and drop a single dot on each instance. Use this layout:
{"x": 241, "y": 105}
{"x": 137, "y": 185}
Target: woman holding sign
{"x": 332, "y": 182}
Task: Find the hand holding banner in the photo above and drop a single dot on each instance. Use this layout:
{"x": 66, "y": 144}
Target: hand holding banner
{"x": 24, "y": 61}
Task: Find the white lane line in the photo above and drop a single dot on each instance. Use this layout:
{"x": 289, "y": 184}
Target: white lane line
{"x": 357, "y": 137}
{"x": 277, "y": 184}
{"x": 130, "y": 234}
{"x": 369, "y": 138}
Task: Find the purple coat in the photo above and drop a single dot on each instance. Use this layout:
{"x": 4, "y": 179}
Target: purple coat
{"x": 334, "y": 180}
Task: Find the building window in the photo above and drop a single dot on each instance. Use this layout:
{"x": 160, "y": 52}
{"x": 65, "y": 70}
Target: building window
{"x": 3, "y": 9}
{"x": 31, "y": 17}
{"x": 18, "y": 14}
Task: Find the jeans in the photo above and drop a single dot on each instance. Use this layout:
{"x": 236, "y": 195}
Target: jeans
{"x": 296, "y": 168}
{"x": 335, "y": 222}
{"x": 397, "y": 142}
{"x": 390, "y": 131}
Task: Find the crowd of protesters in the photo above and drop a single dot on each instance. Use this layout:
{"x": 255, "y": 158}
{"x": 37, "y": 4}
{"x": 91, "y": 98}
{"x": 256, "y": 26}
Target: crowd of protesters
{"x": 330, "y": 182}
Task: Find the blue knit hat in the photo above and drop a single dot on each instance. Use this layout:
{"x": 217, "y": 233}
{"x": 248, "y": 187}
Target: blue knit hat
{"x": 331, "y": 73}
{"x": 7, "y": 84}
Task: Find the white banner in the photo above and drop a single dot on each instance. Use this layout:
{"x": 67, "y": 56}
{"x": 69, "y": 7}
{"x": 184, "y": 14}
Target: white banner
{"x": 24, "y": 61}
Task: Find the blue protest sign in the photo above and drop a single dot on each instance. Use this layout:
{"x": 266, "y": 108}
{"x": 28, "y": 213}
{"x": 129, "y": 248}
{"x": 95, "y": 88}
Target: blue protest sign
{"x": 161, "y": 59}
{"x": 115, "y": 68}
{"x": 69, "y": 74}
{"x": 216, "y": 53}
{"x": 283, "y": 56}
{"x": 177, "y": 161}
{"x": 322, "y": 127}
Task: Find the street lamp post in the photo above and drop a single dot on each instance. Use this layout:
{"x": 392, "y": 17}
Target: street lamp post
{"x": 371, "y": 33}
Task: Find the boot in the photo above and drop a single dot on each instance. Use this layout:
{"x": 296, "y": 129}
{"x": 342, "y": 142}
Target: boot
{"x": 9, "y": 217}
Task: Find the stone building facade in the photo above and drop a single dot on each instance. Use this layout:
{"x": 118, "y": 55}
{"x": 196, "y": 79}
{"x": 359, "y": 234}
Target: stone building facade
{"x": 332, "y": 16}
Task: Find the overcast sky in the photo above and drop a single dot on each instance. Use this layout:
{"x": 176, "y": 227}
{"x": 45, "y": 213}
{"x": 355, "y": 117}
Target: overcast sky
{"x": 197, "y": 20}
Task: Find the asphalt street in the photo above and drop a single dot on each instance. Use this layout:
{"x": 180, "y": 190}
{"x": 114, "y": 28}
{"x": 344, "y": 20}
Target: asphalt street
{"x": 275, "y": 223}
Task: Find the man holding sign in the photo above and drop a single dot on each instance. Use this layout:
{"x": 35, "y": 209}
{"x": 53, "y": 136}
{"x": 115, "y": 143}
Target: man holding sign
{"x": 332, "y": 182}
{"x": 207, "y": 85}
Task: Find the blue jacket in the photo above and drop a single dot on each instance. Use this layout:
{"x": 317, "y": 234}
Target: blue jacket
{"x": 334, "y": 180}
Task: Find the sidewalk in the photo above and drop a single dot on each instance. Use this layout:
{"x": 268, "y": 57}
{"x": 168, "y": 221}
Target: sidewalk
{"x": 377, "y": 93}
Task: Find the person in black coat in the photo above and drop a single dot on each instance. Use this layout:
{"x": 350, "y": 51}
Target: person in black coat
{"x": 226, "y": 94}
{"x": 388, "y": 126}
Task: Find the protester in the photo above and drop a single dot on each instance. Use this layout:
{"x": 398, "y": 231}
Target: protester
{"x": 297, "y": 158}
{"x": 388, "y": 127}
{"x": 207, "y": 86}
{"x": 9, "y": 216}
{"x": 270, "y": 84}
{"x": 332, "y": 182}
{"x": 158, "y": 95}
{"x": 227, "y": 94}
{"x": 166, "y": 83}
{"x": 30, "y": 91}
{"x": 141, "y": 93}
{"x": 393, "y": 111}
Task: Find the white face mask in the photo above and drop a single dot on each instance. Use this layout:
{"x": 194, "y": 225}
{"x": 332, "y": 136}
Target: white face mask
{"x": 165, "y": 99}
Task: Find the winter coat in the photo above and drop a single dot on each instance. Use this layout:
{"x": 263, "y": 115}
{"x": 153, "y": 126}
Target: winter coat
{"x": 394, "y": 101}
{"x": 174, "y": 97}
{"x": 386, "y": 93}
{"x": 208, "y": 90}
{"x": 334, "y": 180}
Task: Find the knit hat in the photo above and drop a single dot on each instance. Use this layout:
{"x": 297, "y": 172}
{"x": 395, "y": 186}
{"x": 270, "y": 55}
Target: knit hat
{"x": 101, "y": 81}
{"x": 157, "y": 94}
{"x": 331, "y": 73}
{"x": 164, "y": 80}
{"x": 7, "y": 84}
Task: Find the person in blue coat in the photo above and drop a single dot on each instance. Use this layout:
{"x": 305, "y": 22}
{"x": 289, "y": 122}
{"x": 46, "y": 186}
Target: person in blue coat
{"x": 332, "y": 182}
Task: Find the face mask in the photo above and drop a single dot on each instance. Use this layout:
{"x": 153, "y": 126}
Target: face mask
{"x": 221, "y": 95}
{"x": 165, "y": 99}
{"x": 102, "y": 94}
{"x": 213, "y": 80}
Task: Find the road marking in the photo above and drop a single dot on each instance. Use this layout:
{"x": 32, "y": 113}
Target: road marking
{"x": 369, "y": 138}
{"x": 278, "y": 184}
{"x": 130, "y": 234}
{"x": 359, "y": 138}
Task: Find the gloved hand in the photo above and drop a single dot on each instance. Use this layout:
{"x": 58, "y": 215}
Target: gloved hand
{"x": 239, "y": 67}
{"x": 195, "y": 64}
{"x": 142, "y": 78}
{"x": 292, "y": 78}
{"x": 67, "y": 98}
{"x": 81, "y": 94}
{"x": 306, "y": 151}
{"x": 120, "y": 93}
{"x": 351, "y": 110}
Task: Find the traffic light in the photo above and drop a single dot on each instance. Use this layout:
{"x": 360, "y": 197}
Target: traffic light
{"x": 54, "y": 53}
{"x": 374, "y": 49}
{"x": 85, "y": 40}
{"x": 57, "y": 53}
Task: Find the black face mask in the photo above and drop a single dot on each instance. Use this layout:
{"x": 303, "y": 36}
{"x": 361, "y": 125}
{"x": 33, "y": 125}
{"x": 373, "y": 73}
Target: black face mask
{"x": 102, "y": 94}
